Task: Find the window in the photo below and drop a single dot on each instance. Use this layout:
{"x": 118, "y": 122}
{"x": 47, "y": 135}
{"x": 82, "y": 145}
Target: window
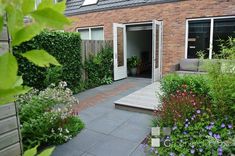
{"x": 89, "y": 2}
{"x": 95, "y": 33}
{"x": 205, "y": 35}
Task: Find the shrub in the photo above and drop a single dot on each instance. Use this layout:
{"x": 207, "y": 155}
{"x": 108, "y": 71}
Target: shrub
{"x": 64, "y": 46}
{"x": 177, "y": 107}
{"x": 47, "y": 118}
{"x": 99, "y": 68}
{"x": 53, "y": 75}
{"x": 171, "y": 83}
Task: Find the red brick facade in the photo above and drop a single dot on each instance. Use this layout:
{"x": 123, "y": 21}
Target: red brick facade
{"x": 173, "y": 15}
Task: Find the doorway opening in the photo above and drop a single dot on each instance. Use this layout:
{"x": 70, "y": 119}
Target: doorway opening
{"x": 139, "y": 47}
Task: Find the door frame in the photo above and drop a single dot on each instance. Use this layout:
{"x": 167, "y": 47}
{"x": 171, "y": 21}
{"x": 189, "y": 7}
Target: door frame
{"x": 161, "y": 54}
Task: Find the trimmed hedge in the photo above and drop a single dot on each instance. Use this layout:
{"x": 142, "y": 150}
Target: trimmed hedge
{"x": 64, "y": 46}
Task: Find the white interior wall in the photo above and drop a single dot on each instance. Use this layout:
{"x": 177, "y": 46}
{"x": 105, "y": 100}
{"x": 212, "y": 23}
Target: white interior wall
{"x": 138, "y": 41}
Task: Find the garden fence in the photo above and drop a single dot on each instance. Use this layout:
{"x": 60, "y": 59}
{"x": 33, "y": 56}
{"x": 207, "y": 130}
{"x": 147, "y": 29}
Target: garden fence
{"x": 92, "y": 47}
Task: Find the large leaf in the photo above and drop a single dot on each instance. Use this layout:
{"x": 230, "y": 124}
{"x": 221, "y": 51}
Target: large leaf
{"x": 14, "y": 19}
{"x": 31, "y": 152}
{"x": 8, "y": 95}
{"x": 26, "y": 33}
{"x": 59, "y": 7}
{"x": 50, "y": 17}
{"x": 8, "y": 70}
{"x": 47, "y": 152}
{"x": 40, "y": 58}
{"x": 28, "y": 6}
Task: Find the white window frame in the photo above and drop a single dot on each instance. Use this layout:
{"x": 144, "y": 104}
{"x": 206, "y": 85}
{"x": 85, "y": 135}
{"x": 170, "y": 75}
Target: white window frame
{"x": 89, "y": 30}
{"x": 211, "y": 32}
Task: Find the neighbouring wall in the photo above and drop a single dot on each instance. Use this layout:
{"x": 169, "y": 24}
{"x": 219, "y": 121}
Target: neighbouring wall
{"x": 173, "y": 15}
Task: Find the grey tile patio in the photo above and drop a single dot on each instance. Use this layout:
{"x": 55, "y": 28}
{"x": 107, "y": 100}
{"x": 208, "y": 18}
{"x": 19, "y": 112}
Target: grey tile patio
{"x": 109, "y": 131}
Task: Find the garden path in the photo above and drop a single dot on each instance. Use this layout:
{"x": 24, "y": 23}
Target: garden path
{"x": 108, "y": 131}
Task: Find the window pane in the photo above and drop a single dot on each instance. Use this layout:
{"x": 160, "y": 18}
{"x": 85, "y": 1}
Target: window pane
{"x": 223, "y": 29}
{"x": 97, "y": 34}
{"x": 120, "y": 45}
{"x": 84, "y": 34}
{"x": 198, "y": 38}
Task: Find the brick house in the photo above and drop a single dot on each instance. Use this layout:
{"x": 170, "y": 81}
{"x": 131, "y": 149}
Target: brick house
{"x": 159, "y": 32}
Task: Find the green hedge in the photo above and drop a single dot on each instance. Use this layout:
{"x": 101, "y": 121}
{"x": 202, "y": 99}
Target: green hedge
{"x": 64, "y": 46}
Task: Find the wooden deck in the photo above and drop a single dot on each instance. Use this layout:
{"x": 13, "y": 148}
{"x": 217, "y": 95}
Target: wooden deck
{"x": 144, "y": 100}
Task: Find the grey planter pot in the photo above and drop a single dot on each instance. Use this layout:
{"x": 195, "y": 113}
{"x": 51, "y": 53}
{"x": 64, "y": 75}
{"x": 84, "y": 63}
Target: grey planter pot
{"x": 133, "y": 71}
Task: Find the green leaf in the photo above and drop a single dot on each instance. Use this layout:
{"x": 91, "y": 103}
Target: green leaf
{"x": 8, "y": 95}
{"x": 50, "y": 17}
{"x": 14, "y": 19}
{"x": 1, "y": 24}
{"x": 8, "y": 70}
{"x": 31, "y": 152}
{"x": 41, "y": 58}
{"x": 19, "y": 81}
{"x": 28, "y": 6}
{"x": 47, "y": 152}
{"x": 26, "y": 33}
{"x": 59, "y": 7}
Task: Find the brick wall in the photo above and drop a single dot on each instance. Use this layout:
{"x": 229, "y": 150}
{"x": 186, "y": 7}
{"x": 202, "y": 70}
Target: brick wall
{"x": 173, "y": 15}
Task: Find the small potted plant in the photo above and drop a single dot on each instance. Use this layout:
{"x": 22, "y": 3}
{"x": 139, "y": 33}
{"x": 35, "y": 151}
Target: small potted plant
{"x": 132, "y": 64}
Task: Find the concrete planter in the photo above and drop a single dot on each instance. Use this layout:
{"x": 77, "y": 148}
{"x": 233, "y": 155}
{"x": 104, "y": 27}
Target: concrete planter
{"x": 10, "y": 138}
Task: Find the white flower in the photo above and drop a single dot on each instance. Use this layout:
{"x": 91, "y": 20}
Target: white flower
{"x": 52, "y": 130}
{"x": 66, "y": 130}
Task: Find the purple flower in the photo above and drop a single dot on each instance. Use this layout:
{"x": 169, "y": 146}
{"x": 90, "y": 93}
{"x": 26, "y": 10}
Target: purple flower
{"x": 172, "y": 154}
{"x": 208, "y": 127}
{"x": 230, "y": 126}
{"x": 192, "y": 151}
{"x": 212, "y": 123}
{"x": 186, "y": 125}
{"x": 151, "y": 149}
{"x": 220, "y": 151}
{"x": 181, "y": 140}
{"x": 210, "y": 133}
{"x": 192, "y": 146}
{"x": 198, "y": 111}
{"x": 200, "y": 150}
{"x": 217, "y": 136}
{"x": 184, "y": 132}
{"x": 222, "y": 125}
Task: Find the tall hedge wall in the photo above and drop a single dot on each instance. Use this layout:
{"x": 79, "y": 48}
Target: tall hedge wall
{"x": 64, "y": 46}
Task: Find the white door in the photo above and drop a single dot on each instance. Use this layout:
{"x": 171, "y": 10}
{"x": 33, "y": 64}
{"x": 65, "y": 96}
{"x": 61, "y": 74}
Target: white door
{"x": 157, "y": 50}
{"x": 119, "y": 51}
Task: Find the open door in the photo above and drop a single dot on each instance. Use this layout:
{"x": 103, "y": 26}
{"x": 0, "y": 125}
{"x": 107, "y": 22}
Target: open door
{"x": 119, "y": 51}
{"x": 157, "y": 50}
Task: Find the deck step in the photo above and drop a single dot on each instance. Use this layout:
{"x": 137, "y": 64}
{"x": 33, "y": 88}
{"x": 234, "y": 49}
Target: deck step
{"x": 144, "y": 100}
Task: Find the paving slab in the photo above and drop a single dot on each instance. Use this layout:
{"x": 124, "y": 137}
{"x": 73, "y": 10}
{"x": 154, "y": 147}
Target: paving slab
{"x": 113, "y": 146}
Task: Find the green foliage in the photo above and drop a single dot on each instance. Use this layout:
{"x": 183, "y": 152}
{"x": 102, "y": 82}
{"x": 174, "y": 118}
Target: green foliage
{"x": 64, "y": 46}
{"x": 33, "y": 152}
{"x": 133, "y": 62}
{"x": 172, "y": 83}
{"x": 12, "y": 13}
{"x": 53, "y": 75}
{"x": 99, "y": 68}
{"x": 47, "y": 118}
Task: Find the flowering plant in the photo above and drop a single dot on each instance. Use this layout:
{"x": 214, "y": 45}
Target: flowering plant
{"x": 46, "y": 116}
{"x": 178, "y": 106}
{"x": 200, "y": 134}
